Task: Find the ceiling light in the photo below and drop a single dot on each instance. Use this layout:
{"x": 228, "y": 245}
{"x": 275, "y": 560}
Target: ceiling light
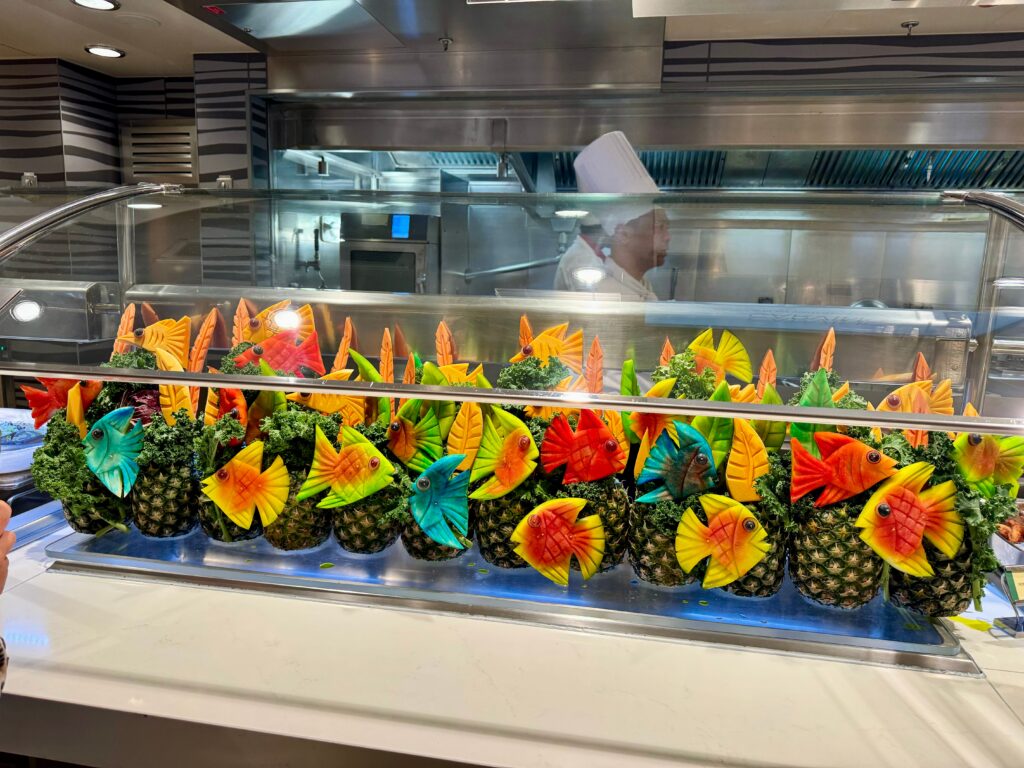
{"x": 588, "y": 276}
{"x": 26, "y": 311}
{"x": 105, "y": 51}
{"x": 98, "y": 5}
{"x": 571, "y": 214}
{"x": 145, "y": 206}
{"x": 287, "y": 319}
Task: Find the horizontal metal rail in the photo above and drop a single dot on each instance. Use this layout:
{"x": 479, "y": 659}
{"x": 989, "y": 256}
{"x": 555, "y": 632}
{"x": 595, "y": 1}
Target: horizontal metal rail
{"x": 603, "y": 401}
{"x": 26, "y": 233}
{"x": 1005, "y": 206}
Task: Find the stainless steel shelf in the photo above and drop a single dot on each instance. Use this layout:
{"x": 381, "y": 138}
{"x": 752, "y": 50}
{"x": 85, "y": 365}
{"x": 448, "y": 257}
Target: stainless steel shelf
{"x": 612, "y": 602}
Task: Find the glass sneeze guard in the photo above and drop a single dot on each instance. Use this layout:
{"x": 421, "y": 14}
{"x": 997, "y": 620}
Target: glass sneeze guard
{"x": 492, "y": 280}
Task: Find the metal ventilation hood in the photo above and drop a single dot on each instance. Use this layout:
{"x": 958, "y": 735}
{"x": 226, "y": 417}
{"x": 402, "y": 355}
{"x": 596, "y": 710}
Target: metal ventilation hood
{"x": 337, "y": 46}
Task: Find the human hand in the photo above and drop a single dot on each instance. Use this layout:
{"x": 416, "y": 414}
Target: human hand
{"x": 7, "y": 539}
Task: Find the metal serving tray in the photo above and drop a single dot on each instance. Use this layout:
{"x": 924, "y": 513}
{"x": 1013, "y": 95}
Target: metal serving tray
{"x": 614, "y": 602}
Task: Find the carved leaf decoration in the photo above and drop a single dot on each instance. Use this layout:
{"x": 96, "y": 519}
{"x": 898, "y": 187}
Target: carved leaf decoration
{"x": 445, "y": 345}
{"x": 466, "y": 432}
{"x": 824, "y": 355}
{"x": 240, "y": 323}
{"x": 149, "y": 315}
{"x": 717, "y": 430}
{"x": 922, "y": 371}
{"x": 125, "y": 327}
{"x": 667, "y": 351}
{"x": 817, "y": 395}
{"x": 525, "y": 331}
{"x": 347, "y": 342}
{"x": 595, "y": 367}
{"x": 768, "y": 373}
{"x": 748, "y": 460}
{"x": 772, "y": 433}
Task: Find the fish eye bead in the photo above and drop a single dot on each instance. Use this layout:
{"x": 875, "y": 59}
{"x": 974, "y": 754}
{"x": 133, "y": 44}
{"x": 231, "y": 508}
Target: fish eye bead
{"x": 423, "y": 483}
{"x": 874, "y": 457}
{"x": 884, "y": 510}
{"x": 750, "y": 524}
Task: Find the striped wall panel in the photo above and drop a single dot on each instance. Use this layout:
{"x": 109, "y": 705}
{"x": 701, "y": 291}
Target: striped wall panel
{"x": 30, "y": 124}
{"x": 88, "y": 106}
{"x": 222, "y": 86}
{"x": 997, "y": 58}
{"x": 148, "y": 98}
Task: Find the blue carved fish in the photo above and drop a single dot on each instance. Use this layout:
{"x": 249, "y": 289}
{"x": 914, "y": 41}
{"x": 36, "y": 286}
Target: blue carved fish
{"x": 111, "y": 449}
{"x": 440, "y": 504}
{"x": 686, "y": 468}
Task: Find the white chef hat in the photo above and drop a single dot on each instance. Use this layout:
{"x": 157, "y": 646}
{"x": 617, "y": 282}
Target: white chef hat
{"x": 610, "y": 165}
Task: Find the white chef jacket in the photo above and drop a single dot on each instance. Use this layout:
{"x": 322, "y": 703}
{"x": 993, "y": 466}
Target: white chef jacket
{"x": 582, "y": 254}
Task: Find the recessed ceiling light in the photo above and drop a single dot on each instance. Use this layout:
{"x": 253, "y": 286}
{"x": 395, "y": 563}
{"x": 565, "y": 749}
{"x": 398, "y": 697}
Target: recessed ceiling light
{"x": 105, "y": 51}
{"x": 145, "y": 206}
{"x": 571, "y": 214}
{"x": 98, "y": 5}
{"x": 26, "y": 311}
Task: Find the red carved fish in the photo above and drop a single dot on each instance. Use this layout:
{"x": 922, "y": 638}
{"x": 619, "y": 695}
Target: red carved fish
{"x": 846, "y": 467}
{"x": 46, "y": 402}
{"x": 280, "y": 353}
{"x": 590, "y": 453}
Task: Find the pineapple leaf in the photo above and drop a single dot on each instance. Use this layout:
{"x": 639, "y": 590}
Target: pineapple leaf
{"x": 772, "y": 433}
{"x": 717, "y": 429}
{"x": 818, "y": 394}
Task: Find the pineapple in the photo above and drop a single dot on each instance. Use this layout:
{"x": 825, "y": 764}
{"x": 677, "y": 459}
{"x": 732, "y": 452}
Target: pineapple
{"x": 58, "y": 469}
{"x": 828, "y": 561}
{"x": 219, "y": 527}
{"x": 417, "y": 543}
{"x": 496, "y": 519}
{"x": 765, "y": 578}
{"x": 774, "y": 513}
{"x": 372, "y": 524}
{"x": 652, "y": 543}
{"x": 97, "y": 512}
{"x": 608, "y": 499}
{"x": 301, "y": 525}
{"x": 291, "y": 433}
{"x": 214, "y": 447}
{"x": 947, "y": 593}
{"x": 165, "y": 500}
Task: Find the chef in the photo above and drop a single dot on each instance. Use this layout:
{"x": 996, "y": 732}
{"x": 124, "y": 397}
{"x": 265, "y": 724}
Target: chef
{"x": 615, "y": 250}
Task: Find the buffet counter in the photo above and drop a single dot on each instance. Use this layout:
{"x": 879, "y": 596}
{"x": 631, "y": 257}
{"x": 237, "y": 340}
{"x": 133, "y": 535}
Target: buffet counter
{"x": 93, "y": 653}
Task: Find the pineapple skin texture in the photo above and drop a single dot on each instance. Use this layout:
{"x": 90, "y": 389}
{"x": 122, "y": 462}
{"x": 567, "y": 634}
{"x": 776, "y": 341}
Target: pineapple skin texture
{"x": 165, "y": 500}
{"x": 105, "y": 509}
{"x": 365, "y": 527}
{"x": 948, "y": 593}
{"x": 829, "y": 563}
{"x": 300, "y": 525}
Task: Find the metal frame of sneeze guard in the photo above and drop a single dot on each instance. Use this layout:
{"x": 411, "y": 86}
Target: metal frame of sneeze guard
{"x": 106, "y": 556}
{"x": 883, "y": 419}
{"x": 26, "y": 233}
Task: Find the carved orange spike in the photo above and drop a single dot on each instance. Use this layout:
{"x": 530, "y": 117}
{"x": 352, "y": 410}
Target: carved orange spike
{"x": 149, "y": 315}
{"x": 767, "y": 374}
{"x": 595, "y": 367}
{"x": 525, "y": 331}
{"x": 347, "y": 342}
{"x": 125, "y": 327}
{"x": 401, "y": 345}
{"x": 667, "y": 351}
{"x": 387, "y": 357}
{"x": 445, "y": 344}
{"x": 825, "y": 353}
{"x": 200, "y": 348}
{"x": 409, "y": 375}
{"x": 922, "y": 372}
{"x": 240, "y": 322}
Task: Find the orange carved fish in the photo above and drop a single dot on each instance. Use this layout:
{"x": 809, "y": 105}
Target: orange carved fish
{"x": 239, "y": 488}
{"x": 507, "y": 454}
{"x": 551, "y": 535}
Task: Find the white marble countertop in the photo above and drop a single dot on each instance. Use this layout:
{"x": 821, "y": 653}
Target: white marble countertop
{"x": 486, "y": 691}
